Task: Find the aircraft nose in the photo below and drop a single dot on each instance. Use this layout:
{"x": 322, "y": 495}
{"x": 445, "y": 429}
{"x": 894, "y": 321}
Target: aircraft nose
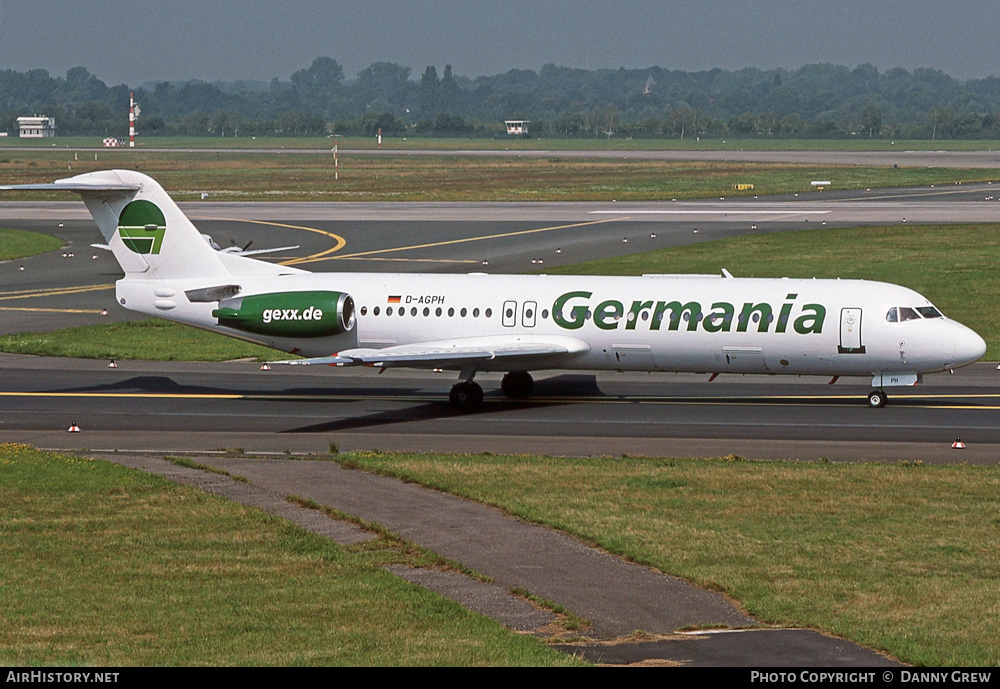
{"x": 969, "y": 347}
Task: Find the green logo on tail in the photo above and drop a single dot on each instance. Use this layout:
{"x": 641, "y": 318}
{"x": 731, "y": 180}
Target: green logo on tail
{"x": 141, "y": 227}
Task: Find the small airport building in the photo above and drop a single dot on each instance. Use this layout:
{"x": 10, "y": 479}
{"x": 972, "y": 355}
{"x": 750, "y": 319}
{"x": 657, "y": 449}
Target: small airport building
{"x": 517, "y": 128}
{"x": 36, "y": 127}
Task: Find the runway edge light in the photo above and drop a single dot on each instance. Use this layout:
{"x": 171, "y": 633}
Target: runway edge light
{"x": 73, "y": 428}
{"x": 958, "y": 444}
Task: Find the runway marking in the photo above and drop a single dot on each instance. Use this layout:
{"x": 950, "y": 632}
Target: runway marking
{"x": 501, "y": 235}
{"x": 272, "y": 397}
{"x": 339, "y": 242}
{"x": 43, "y": 310}
{"x": 408, "y": 260}
{"x": 52, "y": 291}
{"x": 130, "y": 395}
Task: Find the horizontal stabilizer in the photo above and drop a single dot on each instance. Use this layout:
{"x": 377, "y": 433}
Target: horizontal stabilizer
{"x": 95, "y": 187}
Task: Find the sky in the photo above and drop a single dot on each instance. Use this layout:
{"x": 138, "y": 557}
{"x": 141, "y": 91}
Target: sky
{"x": 136, "y": 41}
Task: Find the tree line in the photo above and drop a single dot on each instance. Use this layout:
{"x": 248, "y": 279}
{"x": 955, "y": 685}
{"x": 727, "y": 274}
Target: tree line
{"x": 814, "y": 101}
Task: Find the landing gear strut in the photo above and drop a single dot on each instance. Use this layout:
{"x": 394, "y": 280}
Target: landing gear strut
{"x": 517, "y": 385}
{"x": 466, "y": 396}
{"x": 876, "y": 399}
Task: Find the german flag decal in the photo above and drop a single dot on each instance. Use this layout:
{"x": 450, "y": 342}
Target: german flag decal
{"x": 394, "y": 299}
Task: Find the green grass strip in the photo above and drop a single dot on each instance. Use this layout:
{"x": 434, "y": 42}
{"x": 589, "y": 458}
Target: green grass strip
{"x": 21, "y": 244}
{"x": 154, "y": 340}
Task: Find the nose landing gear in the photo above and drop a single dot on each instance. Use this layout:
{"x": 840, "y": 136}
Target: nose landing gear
{"x": 877, "y": 399}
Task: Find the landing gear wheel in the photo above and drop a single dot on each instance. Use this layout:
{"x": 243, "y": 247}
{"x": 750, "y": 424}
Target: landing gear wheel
{"x": 517, "y": 385}
{"x": 876, "y": 399}
{"x": 466, "y": 396}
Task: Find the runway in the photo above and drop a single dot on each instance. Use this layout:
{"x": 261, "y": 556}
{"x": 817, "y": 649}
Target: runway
{"x": 888, "y": 158}
{"x": 181, "y": 407}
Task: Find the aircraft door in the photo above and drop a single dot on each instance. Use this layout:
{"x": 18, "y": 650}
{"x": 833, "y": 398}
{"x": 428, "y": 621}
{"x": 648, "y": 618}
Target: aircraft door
{"x": 528, "y": 310}
{"x": 509, "y": 316}
{"x": 850, "y": 332}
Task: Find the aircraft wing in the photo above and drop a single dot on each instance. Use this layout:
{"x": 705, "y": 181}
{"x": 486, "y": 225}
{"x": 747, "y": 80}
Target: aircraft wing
{"x": 486, "y": 354}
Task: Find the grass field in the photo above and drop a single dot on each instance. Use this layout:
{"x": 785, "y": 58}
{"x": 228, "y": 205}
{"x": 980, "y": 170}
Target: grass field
{"x": 105, "y": 566}
{"x": 290, "y": 176}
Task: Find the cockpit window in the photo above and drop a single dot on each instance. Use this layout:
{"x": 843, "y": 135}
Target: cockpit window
{"x": 898, "y": 314}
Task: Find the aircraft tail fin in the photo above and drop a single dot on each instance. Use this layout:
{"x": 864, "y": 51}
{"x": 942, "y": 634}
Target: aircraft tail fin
{"x": 148, "y": 233}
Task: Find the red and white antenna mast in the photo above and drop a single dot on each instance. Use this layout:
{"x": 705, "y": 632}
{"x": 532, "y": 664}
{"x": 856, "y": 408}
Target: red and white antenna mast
{"x": 133, "y": 112}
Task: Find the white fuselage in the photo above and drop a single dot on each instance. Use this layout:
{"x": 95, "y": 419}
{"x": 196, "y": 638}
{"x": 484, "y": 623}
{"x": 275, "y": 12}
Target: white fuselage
{"x": 657, "y": 323}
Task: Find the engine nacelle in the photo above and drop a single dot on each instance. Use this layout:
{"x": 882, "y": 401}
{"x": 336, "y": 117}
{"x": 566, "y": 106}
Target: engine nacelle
{"x": 289, "y": 314}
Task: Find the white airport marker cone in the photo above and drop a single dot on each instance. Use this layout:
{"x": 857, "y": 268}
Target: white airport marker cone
{"x": 74, "y": 428}
{"x": 958, "y": 444}
{"x": 112, "y": 364}
{"x": 265, "y": 367}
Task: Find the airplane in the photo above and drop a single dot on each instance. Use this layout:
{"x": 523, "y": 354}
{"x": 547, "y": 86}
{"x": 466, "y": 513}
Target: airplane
{"x": 516, "y": 324}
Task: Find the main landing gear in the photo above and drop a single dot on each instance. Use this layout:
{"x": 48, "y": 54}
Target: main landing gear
{"x": 876, "y": 399}
{"x": 517, "y": 385}
{"x": 467, "y": 395}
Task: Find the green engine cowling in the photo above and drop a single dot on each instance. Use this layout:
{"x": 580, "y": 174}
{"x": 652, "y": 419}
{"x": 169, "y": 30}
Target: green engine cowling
{"x": 289, "y": 314}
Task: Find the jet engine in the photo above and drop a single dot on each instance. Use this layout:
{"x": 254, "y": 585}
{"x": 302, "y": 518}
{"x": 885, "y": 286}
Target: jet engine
{"x": 289, "y": 314}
